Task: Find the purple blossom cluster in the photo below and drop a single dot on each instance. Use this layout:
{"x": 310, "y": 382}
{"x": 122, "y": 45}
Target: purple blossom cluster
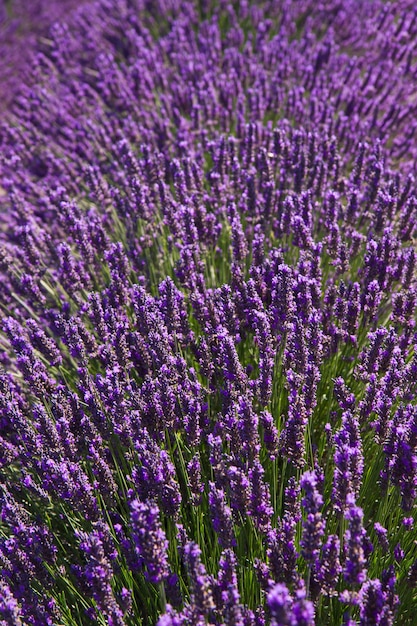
{"x": 208, "y": 304}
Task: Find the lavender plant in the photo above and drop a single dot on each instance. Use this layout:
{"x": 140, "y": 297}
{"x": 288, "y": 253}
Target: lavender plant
{"x": 208, "y": 309}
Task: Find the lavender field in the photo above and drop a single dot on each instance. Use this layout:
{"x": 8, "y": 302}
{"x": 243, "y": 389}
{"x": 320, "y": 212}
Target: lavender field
{"x": 208, "y": 296}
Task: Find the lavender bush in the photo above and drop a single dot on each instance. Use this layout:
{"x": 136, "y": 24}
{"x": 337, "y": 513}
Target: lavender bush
{"x": 208, "y": 316}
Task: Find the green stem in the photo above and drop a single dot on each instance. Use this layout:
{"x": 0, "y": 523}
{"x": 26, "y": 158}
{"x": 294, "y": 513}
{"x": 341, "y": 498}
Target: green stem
{"x": 162, "y": 597}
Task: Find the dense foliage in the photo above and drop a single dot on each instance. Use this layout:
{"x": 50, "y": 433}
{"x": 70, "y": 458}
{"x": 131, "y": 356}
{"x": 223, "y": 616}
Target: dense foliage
{"x": 208, "y": 301}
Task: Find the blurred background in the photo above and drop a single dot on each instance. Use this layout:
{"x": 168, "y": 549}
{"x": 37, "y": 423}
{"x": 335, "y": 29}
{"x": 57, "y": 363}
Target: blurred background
{"x": 21, "y": 23}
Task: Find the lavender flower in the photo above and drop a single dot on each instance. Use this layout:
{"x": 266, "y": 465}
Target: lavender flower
{"x": 280, "y": 604}
{"x": 348, "y": 460}
{"x": 329, "y": 568}
{"x": 9, "y": 608}
{"x": 150, "y": 541}
{"x": 227, "y": 592}
{"x": 98, "y": 575}
{"x": 288, "y": 611}
{"x": 260, "y": 508}
{"x": 221, "y": 517}
{"x": 201, "y": 593}
{"x": 313, "y": 525}
{"x": 372, "y": 603}
{"x": 355, "y": 545}
{"x": 195, "y": 484}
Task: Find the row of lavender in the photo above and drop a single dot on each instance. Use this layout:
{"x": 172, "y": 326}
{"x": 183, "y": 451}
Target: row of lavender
{"x": 208, "y": 318}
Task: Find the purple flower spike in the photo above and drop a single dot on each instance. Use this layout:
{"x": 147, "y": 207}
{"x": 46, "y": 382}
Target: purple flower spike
{"x": 288, "y": 611}
{"x": 280, "y": 604}
{"x": 98, "y": 574}
{"x": 260, "y": 508}
{"x": 221, "y": 517}
{"x": 356, "y": 545}
{"x": 202, "y": 602}
{"x": 150, "y": 541}
{"x": 372, "y": 603}
{"x": 227, "y": 591}
{"x": 313, "y": 525}
{"x": 348, "y": 460}
{"x": 10, "y": 614}
{"x": 329, "y": 567}
{"x": 303, "y": 610}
